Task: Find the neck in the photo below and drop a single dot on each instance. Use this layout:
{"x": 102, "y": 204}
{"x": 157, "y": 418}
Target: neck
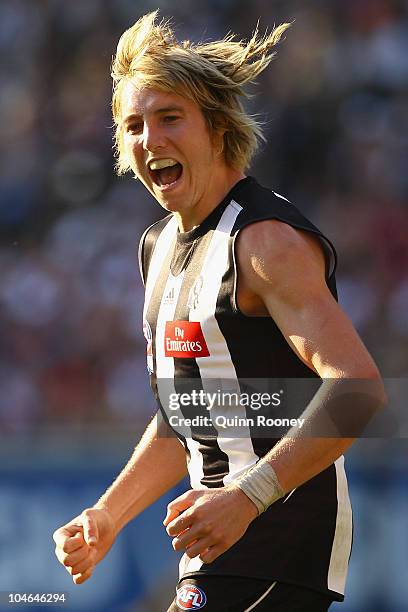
{"x": 187, "y": 220}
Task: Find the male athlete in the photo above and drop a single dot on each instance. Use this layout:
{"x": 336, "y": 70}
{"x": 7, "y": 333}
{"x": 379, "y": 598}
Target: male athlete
{"x": 239, "y": 285}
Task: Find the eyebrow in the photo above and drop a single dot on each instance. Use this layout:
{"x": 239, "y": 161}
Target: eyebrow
{"x": 158, "y": 111}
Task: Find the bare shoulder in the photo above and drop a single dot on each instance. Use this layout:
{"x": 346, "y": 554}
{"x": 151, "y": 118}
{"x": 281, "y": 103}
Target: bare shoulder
{"x": 270, "y": 251}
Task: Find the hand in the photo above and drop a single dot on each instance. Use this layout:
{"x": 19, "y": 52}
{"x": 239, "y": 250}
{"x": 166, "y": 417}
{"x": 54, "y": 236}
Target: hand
{"x": 208, "y": 522}
{"x": 83, "y": 542}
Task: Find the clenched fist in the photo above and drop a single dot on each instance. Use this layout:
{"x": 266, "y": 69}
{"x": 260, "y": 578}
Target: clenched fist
{"x": 207, "y": 522}
{"x": 83, "y": 542}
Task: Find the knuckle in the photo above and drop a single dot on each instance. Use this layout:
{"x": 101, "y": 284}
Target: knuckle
{"x": 175, "y": 530}
{"x": 65, "y": 547}
{"x": 197, "y": 514}
{"x": 177, "y": 545}
{"x": 80, "y": 568}
{"x": 206, "y": 529}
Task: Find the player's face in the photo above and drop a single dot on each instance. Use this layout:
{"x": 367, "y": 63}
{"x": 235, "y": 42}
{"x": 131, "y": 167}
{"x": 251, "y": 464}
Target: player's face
{"x": 171, "y": 150}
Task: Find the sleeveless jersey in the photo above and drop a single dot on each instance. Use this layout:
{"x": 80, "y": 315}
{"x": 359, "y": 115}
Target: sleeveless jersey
{"x": 195, "y": 330}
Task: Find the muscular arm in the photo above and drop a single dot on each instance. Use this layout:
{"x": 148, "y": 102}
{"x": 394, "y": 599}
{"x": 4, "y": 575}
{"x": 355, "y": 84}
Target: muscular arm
{"x": 283, "y": 271}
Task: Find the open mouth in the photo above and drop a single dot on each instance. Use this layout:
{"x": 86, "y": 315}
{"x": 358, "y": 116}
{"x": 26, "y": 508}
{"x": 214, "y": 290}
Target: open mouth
{"x": 165, "y": 172}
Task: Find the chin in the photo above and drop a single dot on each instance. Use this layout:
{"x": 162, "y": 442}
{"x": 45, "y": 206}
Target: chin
{"x": 171, "y": 202}
{"x": 170, "y": 206}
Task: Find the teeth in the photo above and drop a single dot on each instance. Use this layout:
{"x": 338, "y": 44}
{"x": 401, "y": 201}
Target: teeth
{"x": 162, "y": 163}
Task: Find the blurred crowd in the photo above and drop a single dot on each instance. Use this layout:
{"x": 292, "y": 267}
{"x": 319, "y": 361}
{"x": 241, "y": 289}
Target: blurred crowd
{"x": 335, "y": 108}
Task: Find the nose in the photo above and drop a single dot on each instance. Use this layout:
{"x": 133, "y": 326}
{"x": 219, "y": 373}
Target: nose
{"x": 153, "y": 138}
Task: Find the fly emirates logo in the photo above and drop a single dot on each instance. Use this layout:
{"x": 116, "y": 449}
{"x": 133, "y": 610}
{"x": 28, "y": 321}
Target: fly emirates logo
{"x": 184, "y": 339}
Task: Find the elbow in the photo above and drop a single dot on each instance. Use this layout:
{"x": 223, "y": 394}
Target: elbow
{"x": 367, "y": 383}
{"x": 377, "y": 387}
{"x": 371, "y": 383}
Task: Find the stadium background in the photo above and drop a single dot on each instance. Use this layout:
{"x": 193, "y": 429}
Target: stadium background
{"x": 74, "y": 395}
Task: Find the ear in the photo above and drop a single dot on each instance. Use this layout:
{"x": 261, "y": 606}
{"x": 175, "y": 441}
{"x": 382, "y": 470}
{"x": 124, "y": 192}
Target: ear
{"x": 216, "y": 128}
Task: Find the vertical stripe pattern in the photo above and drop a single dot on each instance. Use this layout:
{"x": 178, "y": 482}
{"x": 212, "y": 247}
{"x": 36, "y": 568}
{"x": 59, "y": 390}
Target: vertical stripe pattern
{"x": 341, "y": 547}
{"x": 165, "y": 367}
{"x": 238, "y": 448}
{"x": 162, "y": 247}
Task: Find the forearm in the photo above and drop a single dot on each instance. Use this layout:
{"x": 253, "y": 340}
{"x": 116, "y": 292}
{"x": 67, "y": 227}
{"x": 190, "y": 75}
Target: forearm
{"x": 336, "y": 416}
{"x": 297, "y": 460}
{"x": 157, "y": 464}
{"x": 338, "y": 413}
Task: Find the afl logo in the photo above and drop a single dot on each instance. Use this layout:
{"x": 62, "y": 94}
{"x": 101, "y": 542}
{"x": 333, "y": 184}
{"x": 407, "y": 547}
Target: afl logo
{"x": 190, "y": 597}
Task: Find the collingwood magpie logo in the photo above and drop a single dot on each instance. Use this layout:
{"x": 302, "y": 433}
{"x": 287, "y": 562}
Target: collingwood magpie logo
{"x": 194, "y": 294}
{"x": 147, "y": 332}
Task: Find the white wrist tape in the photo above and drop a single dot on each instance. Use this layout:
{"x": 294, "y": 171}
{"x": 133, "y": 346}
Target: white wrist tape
{"x": 260, "y": 483}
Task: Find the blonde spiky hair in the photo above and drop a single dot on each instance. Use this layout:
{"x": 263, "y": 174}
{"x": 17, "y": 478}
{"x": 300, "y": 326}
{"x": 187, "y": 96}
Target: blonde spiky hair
{"x": 211, "y": 74}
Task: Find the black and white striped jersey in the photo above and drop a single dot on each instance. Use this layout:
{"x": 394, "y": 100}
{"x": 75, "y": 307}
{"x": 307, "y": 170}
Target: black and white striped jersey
{"x": 196, "y": 331}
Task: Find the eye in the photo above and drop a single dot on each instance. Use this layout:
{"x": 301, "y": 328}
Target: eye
{"x": 170, "y": 118}
{"x": 134, "y": 128}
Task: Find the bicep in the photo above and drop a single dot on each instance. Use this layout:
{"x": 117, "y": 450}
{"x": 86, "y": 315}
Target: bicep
{"x": 286, "y": 269}
{"x": 320, "y": 333}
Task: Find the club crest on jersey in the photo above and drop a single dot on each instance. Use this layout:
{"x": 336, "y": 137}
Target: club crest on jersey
{"x": 147, "y": 332}
{"x": 194, "y": 294}
{"x": 191, "y": 597}
{"x": 184, "y": 339}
